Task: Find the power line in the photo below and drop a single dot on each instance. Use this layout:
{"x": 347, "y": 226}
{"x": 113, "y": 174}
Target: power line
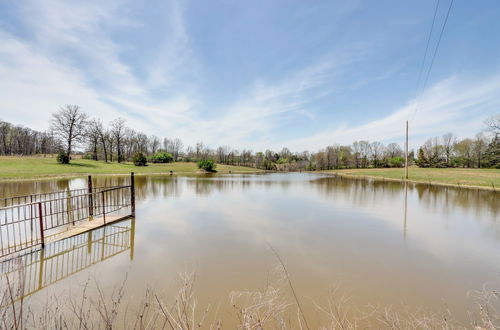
{"x": 427, "y": 75}
{"x": 426, "y": 51}
{"x": 433, "y": 57}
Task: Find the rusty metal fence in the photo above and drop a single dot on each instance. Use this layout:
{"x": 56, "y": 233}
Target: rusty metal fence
{"x": 36, "y": 270}
{"x": 26, "y": 224}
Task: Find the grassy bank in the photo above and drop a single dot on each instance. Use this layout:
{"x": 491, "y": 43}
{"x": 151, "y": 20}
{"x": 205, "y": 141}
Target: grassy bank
{"x": 41, "y": 167}
{"x": 474, "y": 177}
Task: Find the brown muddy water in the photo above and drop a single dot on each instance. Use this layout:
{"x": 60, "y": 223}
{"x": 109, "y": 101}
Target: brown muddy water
{"x": 329, "y": 231}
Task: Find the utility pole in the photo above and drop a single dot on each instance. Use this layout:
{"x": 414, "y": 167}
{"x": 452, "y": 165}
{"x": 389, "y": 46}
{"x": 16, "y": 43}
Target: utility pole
{"x": 406, "y": 152}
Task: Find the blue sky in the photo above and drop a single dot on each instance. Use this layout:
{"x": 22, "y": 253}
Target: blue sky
{"x": 253, "y": 74}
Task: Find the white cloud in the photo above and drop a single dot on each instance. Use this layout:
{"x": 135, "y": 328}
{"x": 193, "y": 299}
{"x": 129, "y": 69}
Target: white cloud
{"x": 175, "y": 56}
{"x": 78, "y": 34}
{"x": 72, "y": 57}
{"x": 450, "y": 106}
{"x": 33, "y": 85}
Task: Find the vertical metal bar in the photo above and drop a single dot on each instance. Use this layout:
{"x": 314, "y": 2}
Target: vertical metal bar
{"x": 40, "y": 274}
{"x": 132, "y": 194}
{"x": 132, "y": 238}
{"x": 91, "y": 197}
{"x": 103, "y": 207}
{"x": 31, "y": 217}
{"x": 40, "y": 217}
{"x": 69, "y": 208}
{"x": 89, "y": 242}
{"x": 406, "y": 153}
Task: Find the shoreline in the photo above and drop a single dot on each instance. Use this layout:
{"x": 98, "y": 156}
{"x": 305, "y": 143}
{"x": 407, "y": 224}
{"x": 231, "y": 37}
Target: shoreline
{"x": 433, "y": 183}
{"x": 491, "y": 188}
{"x": 83, "y": 175}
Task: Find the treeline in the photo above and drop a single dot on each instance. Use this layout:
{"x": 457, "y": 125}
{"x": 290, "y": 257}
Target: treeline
{"x": 447, "y": 151}
{"x": 19, "y": 140}
{"x": 72, "y": 129}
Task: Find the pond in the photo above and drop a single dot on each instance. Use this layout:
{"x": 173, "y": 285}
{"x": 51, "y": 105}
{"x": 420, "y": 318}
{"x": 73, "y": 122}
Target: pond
{"x": 382, "y": 243}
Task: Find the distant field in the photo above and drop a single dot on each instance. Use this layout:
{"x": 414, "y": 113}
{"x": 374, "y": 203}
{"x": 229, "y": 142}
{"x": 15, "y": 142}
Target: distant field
{"x": 37, "y": 167}
{"x": 456, "y": 176}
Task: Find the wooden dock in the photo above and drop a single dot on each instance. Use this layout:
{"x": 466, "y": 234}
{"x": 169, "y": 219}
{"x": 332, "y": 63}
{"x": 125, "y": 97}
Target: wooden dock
{"x": 63, "y": 258}
{"x": 83, "y": 227}
{"x": 34, "y": 220}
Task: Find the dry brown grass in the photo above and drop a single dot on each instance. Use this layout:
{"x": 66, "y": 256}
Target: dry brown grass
{"x": 272, "y": 307}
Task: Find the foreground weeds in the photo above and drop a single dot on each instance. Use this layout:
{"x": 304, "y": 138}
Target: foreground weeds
{"x": 274, "y": 306}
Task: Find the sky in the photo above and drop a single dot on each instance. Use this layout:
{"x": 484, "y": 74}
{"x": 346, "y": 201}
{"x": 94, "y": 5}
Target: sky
{"x": 254, "y": 74}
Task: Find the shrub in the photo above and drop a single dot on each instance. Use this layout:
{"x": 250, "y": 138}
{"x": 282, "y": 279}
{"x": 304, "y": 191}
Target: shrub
{"x": 139, "y": 159}
{"x": 396, "y": 161}
{"x": 63, "y": 158}
{"x": 207, "y": 165}
{"x": 162, "y": 157}
{"x": 88, "y": 155}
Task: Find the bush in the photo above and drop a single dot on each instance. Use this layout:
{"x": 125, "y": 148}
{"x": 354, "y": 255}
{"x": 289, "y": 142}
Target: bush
{"x": 139, "y": 159}
{"x": 63, "y": 158}
{"x": 161, "y": 157}
{"x": 88, "y": 155}
{"x": 396, "y": 162}
{"x": 207, "y": 165}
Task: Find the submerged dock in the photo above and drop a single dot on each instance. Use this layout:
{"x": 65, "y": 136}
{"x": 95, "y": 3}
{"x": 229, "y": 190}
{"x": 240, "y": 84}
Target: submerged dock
{"x": 32, "y": 221}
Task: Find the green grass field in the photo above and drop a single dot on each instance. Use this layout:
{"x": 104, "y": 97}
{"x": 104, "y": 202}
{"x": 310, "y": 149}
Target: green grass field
{"x": 42, "y": 167}
{"x": 454, "y": 176}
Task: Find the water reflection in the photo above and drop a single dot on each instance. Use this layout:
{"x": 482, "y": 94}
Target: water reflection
{"x": 387, "y": 242}
{"x": 36, "y": 270}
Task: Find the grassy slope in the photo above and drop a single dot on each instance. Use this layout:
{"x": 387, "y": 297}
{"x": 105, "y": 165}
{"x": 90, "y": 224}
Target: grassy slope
{"x": 36, "y": 167}
{"x": 456, "y": 176}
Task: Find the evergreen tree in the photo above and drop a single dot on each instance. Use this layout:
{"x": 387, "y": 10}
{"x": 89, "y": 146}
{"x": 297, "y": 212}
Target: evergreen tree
{"x": 492, "y": 153}
{"x": 422, "y": 161}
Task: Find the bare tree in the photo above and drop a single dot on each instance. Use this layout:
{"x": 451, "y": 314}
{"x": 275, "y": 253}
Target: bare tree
{"x": 94, "y": 137}
{"x": 69, "y": 124}
{"x": 364, "y": 150}
{"x": 130, "y": 138}
{"x": 394, "y": 150}
{"x": 177, "y": 148}
{"x": 376, "y": 149}
{"x": 103, "y": 137}
{"x": 154, "y": 143}
{"x": 168, "y": 145}
{"x": 449, "y": 141}
{"x": 199, "y": 149}
{"x": 142, "y": 143}
{"x": 493, "y": 124}
{"x": 357, "y": 153}
{"x": 118, "y": 131}
{"x": 222, "y": 153}
{"x": 479, "y": 147}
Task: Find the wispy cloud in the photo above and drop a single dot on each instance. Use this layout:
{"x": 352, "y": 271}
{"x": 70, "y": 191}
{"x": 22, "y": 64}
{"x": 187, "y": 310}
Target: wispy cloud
{"x": 451, "y": 105}
{"x": 175, "y": 59}
{"x": 71, "y": 57}
{"x": 78, "y": 34}
{"x": 250, "y": 121}
{"x": 78, "y": 52}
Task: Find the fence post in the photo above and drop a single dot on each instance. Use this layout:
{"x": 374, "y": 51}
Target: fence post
{"x": 40, "y": 273}
{"x": 132, "y": 194}
{"x": 69, "y": 207}
{"x": 132, "y": 238}
{"x": 91, "y": 197}
{"x": 103, "y": 207}
{"x": 40, "y": 218}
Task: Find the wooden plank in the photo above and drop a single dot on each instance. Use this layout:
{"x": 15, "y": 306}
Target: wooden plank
{"x": 84, "y": 226}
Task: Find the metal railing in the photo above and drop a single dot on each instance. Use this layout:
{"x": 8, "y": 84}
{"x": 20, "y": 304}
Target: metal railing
{"x": 33, "y": 271}
{"x": 28, "y": 224}
{"x": 33, "y": 198}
